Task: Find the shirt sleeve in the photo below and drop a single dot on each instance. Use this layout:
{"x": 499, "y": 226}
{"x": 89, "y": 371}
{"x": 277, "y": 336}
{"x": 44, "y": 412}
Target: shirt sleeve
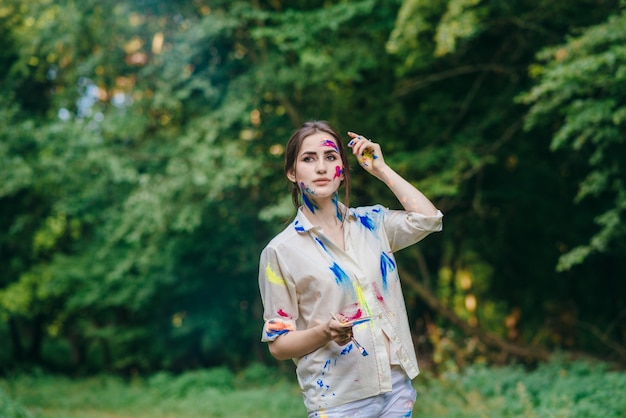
{"x": 406, "y": 228}
{"x": 278, "y": 294}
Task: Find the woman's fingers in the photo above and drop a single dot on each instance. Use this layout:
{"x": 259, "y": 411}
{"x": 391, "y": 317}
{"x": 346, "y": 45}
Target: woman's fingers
{"x": 364, "y": 150}
{"x": 340, "y": 332}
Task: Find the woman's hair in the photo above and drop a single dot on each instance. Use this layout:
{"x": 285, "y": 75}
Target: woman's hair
{"x": 293, "y": 148}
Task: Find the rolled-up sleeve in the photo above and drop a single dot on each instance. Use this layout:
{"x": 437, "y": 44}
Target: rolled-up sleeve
{"x": 406, "y": 228}
{"x": 278, "y": 295}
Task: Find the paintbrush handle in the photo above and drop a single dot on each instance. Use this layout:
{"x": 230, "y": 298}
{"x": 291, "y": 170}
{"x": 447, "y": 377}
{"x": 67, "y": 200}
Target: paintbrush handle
{"x": 359, "y": 346}
{"x": 354, "y": 341}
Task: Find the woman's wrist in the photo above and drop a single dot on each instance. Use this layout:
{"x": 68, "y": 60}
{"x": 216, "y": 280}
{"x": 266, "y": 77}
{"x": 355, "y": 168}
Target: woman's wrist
{"x": 325, "y": 328}
{"x": 383, "y": 173}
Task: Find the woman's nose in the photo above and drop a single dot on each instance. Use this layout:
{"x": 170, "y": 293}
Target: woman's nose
{"x": 321, "y": 166}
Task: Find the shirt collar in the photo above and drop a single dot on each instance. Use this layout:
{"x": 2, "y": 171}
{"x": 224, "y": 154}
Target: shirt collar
{"x": 302, "y": 224}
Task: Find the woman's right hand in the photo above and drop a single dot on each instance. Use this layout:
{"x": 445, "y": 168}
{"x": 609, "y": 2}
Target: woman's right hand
{"x": 340, "y": 332}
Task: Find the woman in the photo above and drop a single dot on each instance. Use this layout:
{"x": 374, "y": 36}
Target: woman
{"x": 329, "y": 283}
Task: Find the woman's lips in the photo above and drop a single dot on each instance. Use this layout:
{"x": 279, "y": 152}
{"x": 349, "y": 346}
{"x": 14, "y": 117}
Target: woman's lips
{"x": 321, "y": 182}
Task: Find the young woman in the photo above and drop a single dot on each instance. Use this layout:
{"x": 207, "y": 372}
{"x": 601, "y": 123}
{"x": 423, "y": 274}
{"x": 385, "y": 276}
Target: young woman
{"x": 329, "y": 283}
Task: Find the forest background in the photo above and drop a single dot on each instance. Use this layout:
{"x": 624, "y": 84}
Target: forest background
{"x": 141, "y": 146}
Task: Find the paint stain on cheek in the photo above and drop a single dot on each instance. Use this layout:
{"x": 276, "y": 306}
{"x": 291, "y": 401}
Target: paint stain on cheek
{"x": 338, "y": 172}
{"x": 306, "y": 189}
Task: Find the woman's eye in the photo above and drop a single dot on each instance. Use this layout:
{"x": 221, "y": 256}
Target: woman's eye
{"x": 307, "y": 159}
{"x": 331, "y": 157}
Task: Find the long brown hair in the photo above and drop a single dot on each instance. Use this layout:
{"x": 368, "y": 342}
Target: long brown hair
{"x": 293, "y": 148}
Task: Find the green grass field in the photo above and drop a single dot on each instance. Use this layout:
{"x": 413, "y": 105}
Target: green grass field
{"x": 556, "y": 389}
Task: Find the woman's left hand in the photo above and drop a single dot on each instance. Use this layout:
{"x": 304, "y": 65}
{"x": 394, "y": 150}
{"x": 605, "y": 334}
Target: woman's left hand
{"x": 368, "y": 153}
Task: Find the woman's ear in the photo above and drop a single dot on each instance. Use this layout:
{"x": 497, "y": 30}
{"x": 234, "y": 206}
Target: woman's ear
{"x": 291, "y": 175}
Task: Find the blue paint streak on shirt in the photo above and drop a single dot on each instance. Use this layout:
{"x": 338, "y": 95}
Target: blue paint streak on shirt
{"x": 346, "y": 349}
{"x": 367, "y": 222}
{"x": 340, "y": 276}
{"x": 272, "y": 334}
{"x": 386, "y": 265}
{"x": 319, "y": 241}
{"x": 299, "y": 228}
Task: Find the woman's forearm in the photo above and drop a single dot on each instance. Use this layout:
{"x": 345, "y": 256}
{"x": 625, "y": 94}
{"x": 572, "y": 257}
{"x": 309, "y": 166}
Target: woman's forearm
{"x": 409, "y": 196}
{"x": 296, "y": 344}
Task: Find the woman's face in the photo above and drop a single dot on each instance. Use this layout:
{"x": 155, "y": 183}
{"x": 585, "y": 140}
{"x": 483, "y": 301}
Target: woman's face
{"x": 318, "y": 169}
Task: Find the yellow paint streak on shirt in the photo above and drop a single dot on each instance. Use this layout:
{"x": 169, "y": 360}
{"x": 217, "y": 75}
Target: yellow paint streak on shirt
{"x": 361, "y": 298}
{"x": 273, "y": 277}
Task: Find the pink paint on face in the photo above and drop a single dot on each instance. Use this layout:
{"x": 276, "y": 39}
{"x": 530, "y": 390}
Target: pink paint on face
{"x": 329, "y": 143}
{"x": 338, "y": 172}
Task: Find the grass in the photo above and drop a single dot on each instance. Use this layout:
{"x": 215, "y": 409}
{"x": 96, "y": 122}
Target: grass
{"x": 104, "y": 398}
{"x": 556, "y": 389}
{"x": 205, "y": 393}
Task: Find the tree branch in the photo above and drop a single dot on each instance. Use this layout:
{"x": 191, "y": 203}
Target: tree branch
{"x": 488, "y": 338}
{"x": 411, "y": 85}
{"x": 604, "y": 338}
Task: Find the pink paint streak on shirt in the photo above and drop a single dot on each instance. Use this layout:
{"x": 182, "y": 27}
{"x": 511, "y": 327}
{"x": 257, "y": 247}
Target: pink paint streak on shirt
{"x": 284, "y": 314}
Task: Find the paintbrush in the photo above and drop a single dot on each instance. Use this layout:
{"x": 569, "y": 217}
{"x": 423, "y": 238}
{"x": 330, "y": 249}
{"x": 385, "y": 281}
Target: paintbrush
{"x": 361, "y": 349}
{"x": 360, "y": 320}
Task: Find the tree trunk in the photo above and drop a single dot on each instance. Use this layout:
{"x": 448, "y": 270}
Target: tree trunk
{"x": 34, "y": 351}
{"x": 16, "y": 340}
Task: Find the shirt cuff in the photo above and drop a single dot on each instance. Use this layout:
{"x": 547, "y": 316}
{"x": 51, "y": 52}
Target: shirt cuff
{"x": 432, "y": 223}
{"x": 274, "y": 328}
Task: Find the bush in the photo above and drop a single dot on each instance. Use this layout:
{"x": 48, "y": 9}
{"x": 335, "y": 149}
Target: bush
{"x": 557, "y": 388}
{"x": 179, "y": 386}
{"x": 258, "y": 374}
{"x": 10, "y": 408}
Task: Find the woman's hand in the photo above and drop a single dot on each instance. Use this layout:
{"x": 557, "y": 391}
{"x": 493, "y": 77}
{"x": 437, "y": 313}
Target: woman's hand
{"x": 370, "y": 157}
{"x": 368, "y": 154}
{"x": 340, "y": 332}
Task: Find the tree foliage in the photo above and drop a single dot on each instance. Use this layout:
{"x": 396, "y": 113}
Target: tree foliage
{"x": 578, "y": 91}
{"x": 141, "y": 166}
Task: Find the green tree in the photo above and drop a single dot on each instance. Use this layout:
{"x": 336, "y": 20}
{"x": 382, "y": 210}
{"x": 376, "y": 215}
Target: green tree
{"x": 579, "y": 93}
{"x": 160, "y": 127}
{"x": 509, "y": 215}
{"x": 142, "y": 151}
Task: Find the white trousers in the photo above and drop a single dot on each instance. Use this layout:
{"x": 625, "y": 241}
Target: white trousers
{"x": 395, "y": 404}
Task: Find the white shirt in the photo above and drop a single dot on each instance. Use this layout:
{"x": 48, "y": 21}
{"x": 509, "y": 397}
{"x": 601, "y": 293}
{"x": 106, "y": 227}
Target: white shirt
{"x": 303, "y": 277}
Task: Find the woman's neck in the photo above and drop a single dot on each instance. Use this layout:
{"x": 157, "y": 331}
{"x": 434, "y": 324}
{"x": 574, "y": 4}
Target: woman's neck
{"x": 325, "y": 213}
{"x": 328, "y": 216}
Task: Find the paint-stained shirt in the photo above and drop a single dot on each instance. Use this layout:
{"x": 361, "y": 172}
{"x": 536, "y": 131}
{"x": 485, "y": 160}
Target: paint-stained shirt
{"x": 303, "y": 277}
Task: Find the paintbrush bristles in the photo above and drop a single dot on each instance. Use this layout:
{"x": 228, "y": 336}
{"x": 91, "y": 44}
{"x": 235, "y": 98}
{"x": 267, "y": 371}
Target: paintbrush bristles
{"x": 359, "y": 346}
